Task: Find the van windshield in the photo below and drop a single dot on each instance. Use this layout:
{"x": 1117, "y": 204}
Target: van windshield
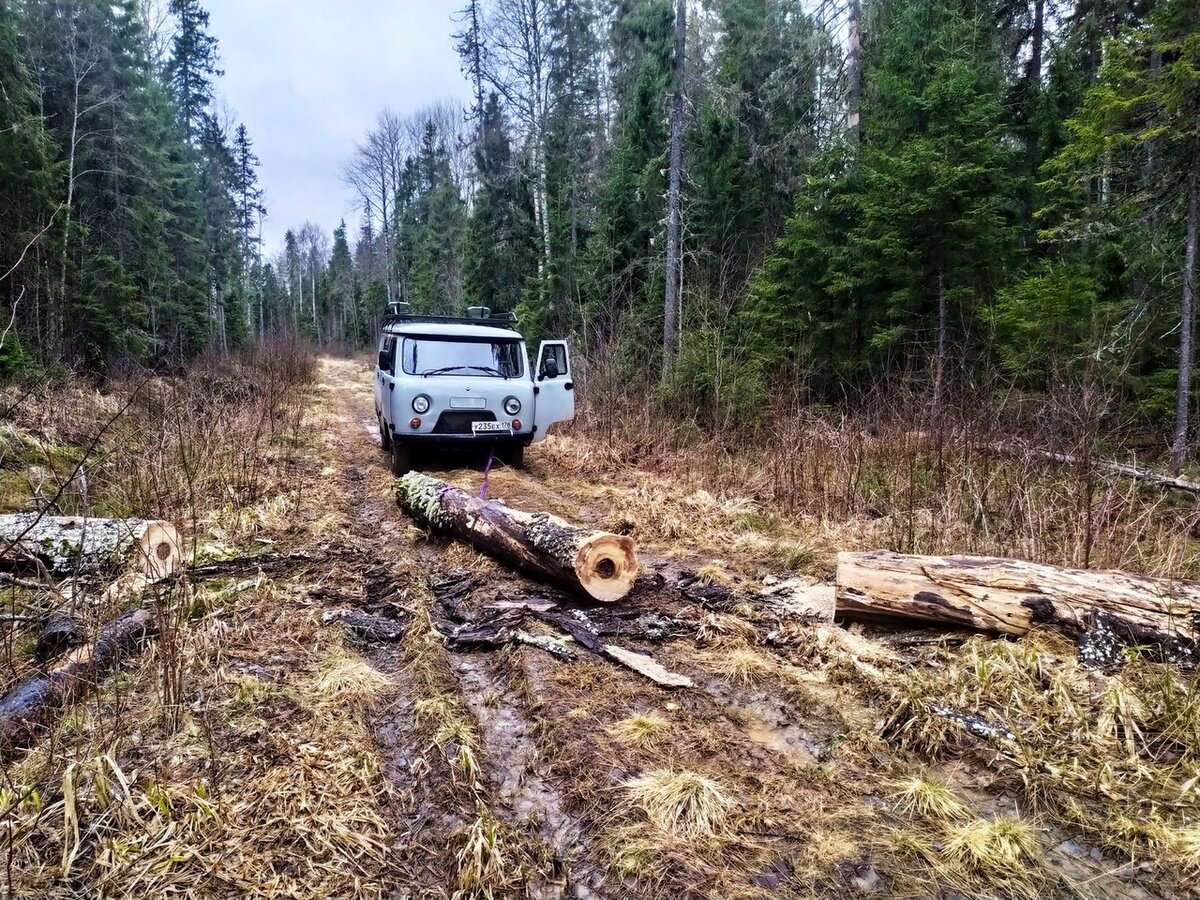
{"x": 462, "y": 356}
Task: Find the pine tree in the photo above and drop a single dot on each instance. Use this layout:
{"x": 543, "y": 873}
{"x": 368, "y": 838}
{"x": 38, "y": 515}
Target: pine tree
{"x": 343, "y": 310}
{"x": 926, "y": 211}
{"x": 1127, "y": 230}
{"x": 432, "y": 218}
{"x": 28, "y": 176}
{"x": 622, "y": 266}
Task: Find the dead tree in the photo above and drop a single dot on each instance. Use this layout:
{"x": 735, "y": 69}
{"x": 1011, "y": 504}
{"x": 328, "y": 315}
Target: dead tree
{"x": 70, "y": 544}
{"x": 600, "y": 565}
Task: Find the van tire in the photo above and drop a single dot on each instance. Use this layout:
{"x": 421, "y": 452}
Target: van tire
{"x": 385, "y": 434}
{"x": 514, "y": 457}
{"x": 401, "y": 458}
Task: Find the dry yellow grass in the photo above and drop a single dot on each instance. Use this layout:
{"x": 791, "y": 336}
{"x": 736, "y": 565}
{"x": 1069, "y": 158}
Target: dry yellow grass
{"x": 741, "y": 665}
{"x": 682, "y": 804}
{"x": 927, "y": 796}
{"x": 347, "y": 680}
{"x": 643, "y": 731}
{"x": 1003, "y": 849}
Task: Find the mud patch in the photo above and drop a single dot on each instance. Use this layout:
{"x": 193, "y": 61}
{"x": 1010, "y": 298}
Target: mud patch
{"x": 530, "y": 799}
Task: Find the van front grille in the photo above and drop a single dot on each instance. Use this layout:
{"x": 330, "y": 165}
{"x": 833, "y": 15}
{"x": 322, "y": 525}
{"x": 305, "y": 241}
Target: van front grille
{"x": 451, "y": 422}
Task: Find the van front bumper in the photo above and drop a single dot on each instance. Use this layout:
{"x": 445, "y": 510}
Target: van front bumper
{"x": 463, "y": 441}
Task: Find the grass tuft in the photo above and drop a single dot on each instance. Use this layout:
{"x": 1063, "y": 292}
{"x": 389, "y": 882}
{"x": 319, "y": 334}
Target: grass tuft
{"x": 482, "y": 868}
{"x": 346, "y": 679}
{"x": 739, "y": 664}
{"x": 713, "y": 574}
{"x": 1000, "y": 848}
{"x": 924, "y": 795}
{"x": 642, "y": 730}
{"x": 682, "y": 803}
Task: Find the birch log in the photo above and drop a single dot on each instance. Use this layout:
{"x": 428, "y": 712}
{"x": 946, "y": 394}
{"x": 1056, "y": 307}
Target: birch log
{"x": 1009, "y": 596}
{"x": 67, "y": 544}
{"x": 38, "y": 701}
{"x": 601, "y": 565}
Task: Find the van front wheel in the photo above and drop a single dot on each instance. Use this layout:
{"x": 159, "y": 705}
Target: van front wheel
{"x": 385, "y": 435}
{"x": 401, "y": 458}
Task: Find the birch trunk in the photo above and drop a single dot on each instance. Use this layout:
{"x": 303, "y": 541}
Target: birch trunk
{"x": 1187, "y": 315}
{"x": 854, "y": 71}
{"x": 69, "y": 544}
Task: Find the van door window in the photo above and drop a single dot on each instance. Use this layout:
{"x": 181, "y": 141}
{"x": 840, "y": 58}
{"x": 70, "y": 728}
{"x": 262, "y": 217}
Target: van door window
{"x": 557, "y": 352}
{"x": 389, "y": 351}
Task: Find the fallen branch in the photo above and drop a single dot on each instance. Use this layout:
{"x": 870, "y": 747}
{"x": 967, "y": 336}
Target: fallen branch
{"x": 1021, "y": 451}
{"x": 597, "y": 564}
{"x": 32, "y": 706}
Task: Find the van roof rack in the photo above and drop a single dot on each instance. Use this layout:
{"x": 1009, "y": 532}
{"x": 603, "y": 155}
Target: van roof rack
{"x": 476, "y": 315}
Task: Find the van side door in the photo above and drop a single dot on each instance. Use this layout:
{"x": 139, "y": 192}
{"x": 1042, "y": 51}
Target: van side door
{"x": 554, "y": 388}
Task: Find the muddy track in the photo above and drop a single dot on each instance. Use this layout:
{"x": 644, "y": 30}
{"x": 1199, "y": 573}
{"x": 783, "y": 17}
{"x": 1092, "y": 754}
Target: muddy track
{"x": 552, "y": 771}
{"x": 518, "y": 791}
{"x": 792, "y": 739}
{"x": 519, "y": 699}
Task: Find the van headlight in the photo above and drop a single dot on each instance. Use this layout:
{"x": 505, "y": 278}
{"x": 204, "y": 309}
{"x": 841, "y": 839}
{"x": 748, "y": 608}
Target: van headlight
{"x": 420, "y": 404}
{"x": 512, "y": 405}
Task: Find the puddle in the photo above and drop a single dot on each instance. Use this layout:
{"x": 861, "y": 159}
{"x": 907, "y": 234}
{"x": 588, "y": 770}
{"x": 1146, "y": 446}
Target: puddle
{"x": 763, "y": 719}
{"x": 786, "y": 740}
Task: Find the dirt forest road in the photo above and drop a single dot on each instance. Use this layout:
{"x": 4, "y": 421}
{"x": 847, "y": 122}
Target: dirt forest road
{"x": 381, "y": 763}
{"x": 541, "y": 808}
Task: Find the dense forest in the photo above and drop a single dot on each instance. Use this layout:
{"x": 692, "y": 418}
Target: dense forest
{"x": 717, "y": 200}
{"x": 129, "y": 211}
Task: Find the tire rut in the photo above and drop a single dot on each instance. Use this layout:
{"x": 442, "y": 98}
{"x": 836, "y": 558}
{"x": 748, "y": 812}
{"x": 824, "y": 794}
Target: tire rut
{"x": 519, "y": 792}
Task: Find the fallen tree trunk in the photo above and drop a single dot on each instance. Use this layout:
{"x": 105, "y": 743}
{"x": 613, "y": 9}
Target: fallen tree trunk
{"x": 1009, "y": 596}
{"x": 39, "y": 700}
{"x": 598, "y": 564}
{"x": 1167, "y": 482}
{"x": 69, "y": 544}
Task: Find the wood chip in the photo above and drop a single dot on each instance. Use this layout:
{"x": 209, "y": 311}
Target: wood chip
{"x": 646, "y": 665}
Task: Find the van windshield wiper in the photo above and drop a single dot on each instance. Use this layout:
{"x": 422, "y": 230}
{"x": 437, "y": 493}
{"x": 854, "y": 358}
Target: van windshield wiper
{"x": 444, "y": 369}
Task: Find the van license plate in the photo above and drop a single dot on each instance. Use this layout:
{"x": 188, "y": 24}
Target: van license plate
{"x": 491, "y": 427}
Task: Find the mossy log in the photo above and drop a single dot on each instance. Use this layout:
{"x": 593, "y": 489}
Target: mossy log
{"x": 598, "y": 564}
{"x": 74, "y": 544}
{"x": 39, "y": 700}
{"x": 1010, "y": 596}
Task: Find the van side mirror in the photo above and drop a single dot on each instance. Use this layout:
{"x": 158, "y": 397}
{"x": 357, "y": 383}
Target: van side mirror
{"x": 385, "y": 361}
{"x": 550, "y": 367}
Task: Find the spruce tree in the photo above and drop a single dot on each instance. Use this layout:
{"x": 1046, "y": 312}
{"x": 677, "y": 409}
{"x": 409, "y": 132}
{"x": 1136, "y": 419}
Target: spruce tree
{"x": 193, "y": 65}
{"x": 499, "y": 251}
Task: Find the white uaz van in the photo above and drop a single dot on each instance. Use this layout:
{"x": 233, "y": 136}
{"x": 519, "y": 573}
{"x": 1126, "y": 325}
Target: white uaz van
{"x": 466, "y": 382}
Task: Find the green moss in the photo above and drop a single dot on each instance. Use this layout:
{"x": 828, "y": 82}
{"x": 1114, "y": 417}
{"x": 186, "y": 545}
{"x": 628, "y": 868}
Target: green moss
{"x": 15, "y": 495}
{"x": 418, "y": 495}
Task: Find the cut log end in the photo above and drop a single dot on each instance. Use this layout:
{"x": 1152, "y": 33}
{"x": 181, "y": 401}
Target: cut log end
{"x": 601, "y": 565}
{"x": 607, "y": 566}
{"x": 158, "y": 553}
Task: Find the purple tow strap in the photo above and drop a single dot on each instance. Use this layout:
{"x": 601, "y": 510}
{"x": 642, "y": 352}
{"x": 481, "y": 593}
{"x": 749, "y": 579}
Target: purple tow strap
{"x": 486, "y": 470}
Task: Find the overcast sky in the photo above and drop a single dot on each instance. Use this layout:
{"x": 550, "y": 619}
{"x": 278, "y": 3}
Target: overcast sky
{"x": 308, "y": 78}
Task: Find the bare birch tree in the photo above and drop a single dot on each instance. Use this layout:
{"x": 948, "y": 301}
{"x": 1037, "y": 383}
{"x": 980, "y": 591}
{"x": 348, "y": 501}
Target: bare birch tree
{"x": 373, "y": 173}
